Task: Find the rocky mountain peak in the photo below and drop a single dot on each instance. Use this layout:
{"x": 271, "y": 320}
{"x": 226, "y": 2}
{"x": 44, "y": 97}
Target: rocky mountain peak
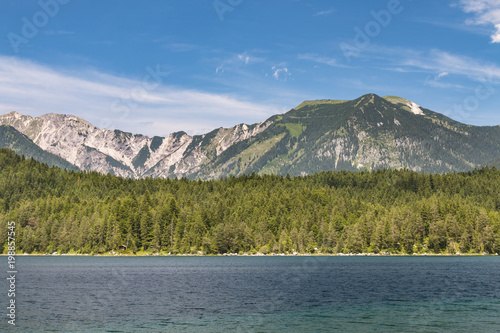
{"x": 13, "y": 114}
{"x": 369, "y": 132}
{"x": 405, "y": 104}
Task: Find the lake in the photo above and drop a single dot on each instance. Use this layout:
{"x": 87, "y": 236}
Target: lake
{"x": 255, "y": 294}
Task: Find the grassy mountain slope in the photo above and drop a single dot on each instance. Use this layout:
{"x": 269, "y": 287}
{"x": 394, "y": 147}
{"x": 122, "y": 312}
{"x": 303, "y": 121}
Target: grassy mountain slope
{"x": 367, "y": 133}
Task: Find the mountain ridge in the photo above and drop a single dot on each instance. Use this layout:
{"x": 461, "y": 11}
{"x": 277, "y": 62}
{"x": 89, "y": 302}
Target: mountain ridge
{"x": 366, "y": 133}
{"x": 16, "y": 141}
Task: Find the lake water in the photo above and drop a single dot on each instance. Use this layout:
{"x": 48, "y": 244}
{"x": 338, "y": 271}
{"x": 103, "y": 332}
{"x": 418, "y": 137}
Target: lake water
{"x": 255, "y": 294}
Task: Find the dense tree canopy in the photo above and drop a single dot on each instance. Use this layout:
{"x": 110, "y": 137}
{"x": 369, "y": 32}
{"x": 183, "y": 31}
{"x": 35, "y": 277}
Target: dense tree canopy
{"x": 379, "y": 211}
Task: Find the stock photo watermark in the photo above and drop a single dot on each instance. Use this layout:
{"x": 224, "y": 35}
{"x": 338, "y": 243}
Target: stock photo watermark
{"x": 471, "y": 103}
{"x": 30, "y": 27}
{"x": 122, "y": 107}
{"x": 223, "y": 6}
{"x": 11, "y": 272}
{"x": 364, "y": 36}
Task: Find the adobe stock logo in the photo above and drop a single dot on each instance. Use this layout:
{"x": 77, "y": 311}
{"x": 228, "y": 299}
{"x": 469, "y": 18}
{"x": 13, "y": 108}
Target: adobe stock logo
{"x": 223, "y": 6}
{"x": 30, "y": 28}
{"x": 372, "y": 29}
{"x": 472, "y": 102}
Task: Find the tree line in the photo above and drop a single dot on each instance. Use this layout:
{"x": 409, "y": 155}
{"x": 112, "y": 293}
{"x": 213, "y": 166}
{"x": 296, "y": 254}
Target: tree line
{"x": 395, "y": 211}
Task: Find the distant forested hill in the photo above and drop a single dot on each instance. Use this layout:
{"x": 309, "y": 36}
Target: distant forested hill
{"x": 379, "y": 211}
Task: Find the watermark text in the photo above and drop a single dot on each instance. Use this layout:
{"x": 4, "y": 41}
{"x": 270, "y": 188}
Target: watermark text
{"x": 11, "y": 272}
{"x": 30, "y": 27}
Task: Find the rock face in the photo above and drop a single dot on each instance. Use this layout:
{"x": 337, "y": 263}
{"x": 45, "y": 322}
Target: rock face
{"x": 18, "y": 142}
{"x": 124, "y": 154}
{"x": 363, "y": 134}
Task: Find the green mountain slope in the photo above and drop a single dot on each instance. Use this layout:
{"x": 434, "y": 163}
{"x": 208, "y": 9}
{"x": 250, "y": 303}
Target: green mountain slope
{"x": 22, "y": 145}
{"x": 363, "y": 134}
{"x": 368, "y": 133}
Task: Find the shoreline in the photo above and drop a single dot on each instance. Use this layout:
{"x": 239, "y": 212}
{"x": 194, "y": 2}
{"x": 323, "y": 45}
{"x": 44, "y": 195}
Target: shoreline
{"x": 117, "y": 254}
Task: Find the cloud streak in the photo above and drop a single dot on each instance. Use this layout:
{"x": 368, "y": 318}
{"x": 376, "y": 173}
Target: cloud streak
{"x": 444, "y": 62}
{"x": 321, "y": 60}
{"x": 487, "y": 12}
{"x": 147, "y": 106}
{"x": 324, "y": 12}
{"x": 436, "y": 61}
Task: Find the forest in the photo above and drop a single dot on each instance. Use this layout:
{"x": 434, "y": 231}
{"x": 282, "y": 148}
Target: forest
{"x": 382, "y": 211}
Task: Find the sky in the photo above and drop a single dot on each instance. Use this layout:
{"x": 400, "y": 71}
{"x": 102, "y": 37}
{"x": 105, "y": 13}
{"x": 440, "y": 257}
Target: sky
{"x": 159, "y": 66}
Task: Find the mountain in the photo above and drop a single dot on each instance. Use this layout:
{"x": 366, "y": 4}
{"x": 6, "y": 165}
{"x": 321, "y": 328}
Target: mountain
{"x": 121, "y": 153}
{"x": 494, "y": 163}
{"x": 22, "y": 145}
{"x": 367, "y": 133}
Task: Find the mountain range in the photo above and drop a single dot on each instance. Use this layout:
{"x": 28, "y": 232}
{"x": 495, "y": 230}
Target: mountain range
{"x": 367, "y": 133}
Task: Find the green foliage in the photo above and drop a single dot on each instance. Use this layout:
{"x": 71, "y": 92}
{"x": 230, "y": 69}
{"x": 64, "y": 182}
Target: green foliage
{"x": 295, "y": 130}
{"x": 367, "y": 133}
{"x": 379, "y": 211}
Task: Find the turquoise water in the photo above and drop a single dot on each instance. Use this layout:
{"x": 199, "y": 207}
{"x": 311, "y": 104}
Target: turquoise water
{"x": 256, "y": 294}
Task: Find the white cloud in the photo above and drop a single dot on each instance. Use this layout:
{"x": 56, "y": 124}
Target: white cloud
{"x": 172, "y": 45}
{"x": 219, "y": 69}
{"x": 487, "y": 12}
{"x": 244, "y": 57}
{"x": 444, "y": 62}
{"x": 436, "y": 82}
{"x": 324, "y": 12}
{"x": 234, "y": 63}
{"x": 434, "y": 61}
{"x": 441, "y": 75}
{"x": 281, "y": 73}
{"x": 443, "y": 85}
{"x": 322, "y": 60}
{"x": 118, "y": 102}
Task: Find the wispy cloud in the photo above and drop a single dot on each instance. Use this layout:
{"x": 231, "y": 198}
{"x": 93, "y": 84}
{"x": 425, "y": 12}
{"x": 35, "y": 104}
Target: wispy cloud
{"x": 169, "y": 43}
{"x": 219, "y": 69}
{"x": 231, "y": 65}
{"x": 281, "y": 73}
{"x": 487, "y": 12}
{"x": 434, "y": 61}
{"x": 441, "y": 61}
{"x": 234, "y": 61}
{"x": 324, "y": 12}
{"x": 244, "y": 57}
{"x": 437, "y": 82}
{"x": 118, "y": 102}
{"x": 455, "y": 25}
{"x": 322, "y": 60}
{"x": 179, "y": 47}
{"x": 441, "y": 75}
{"x": 58, "y": 32}
{"x": 247, "y": 57}
{"x": 443, "y": 85}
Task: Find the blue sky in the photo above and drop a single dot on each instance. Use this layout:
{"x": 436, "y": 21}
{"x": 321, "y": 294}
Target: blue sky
{"x": 159, "y": 66}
